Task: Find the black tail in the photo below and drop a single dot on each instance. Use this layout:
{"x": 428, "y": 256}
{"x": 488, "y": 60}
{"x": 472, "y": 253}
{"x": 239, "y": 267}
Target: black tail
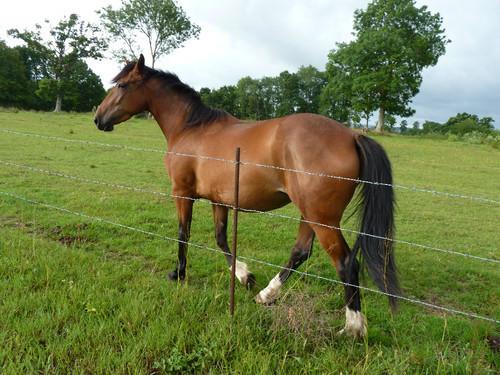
{"x": 376, "y": 207}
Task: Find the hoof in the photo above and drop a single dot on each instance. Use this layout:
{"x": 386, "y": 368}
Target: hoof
{"x": 355, "y": 324}
{"x": 174, "y": 276}
{"x": 250, "y": 282}
{"x": 262, "y": 301}
{"x": 352, "y": 333}
{"x": 270, "y": 293}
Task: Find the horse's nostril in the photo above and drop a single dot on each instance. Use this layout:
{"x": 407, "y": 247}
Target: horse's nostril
{"x": 95, "y": 120}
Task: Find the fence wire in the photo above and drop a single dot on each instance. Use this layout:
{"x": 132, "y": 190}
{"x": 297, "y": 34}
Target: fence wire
{"x": 287, "y": 217}
{"x": 254, "y": 260}
{"x": 249, "y": 163}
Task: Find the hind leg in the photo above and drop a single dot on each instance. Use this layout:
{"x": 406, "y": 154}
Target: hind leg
{"x": 300, "y": 253}
{"x": 220, "y": 222}
{"x": 335, "y": 245}
{"x": 184, "y": 213}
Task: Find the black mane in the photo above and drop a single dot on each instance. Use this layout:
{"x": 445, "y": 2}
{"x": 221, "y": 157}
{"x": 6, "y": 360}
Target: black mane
{"x": 198, "y": 112}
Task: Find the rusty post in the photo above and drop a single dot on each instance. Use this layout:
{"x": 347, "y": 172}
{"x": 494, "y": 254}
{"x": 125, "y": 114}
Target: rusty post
{"x": 235, "y": 229}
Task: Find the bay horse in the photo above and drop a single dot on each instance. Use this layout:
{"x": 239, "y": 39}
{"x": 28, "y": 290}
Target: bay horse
{"x": 299, "y": 142}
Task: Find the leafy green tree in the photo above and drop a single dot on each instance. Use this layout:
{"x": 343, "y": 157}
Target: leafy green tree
{"x": 34, "y": 70}
{"x": 268, "y": 91}
{"x": 403, "y": 127}
{"x": 464, "y": 123}
{"x": 390, "y": 122}
{"x": 223, "y": 98}
{"x": 431, "y": 127}
{"x": 248, "y": 101}
{"x": 486, "y": 124}
{"x": 14, "y": 82}
{"x": 395, "y": 41}
{"x": 346, "y": 89}
{"x": 70, "y": 40}
{"x": 287, "y": 94}
{"x": 311, "y": 82}
{"x": 83, "y": 89}
{"x": 208, "y": 97}
{"x": 164, "y": 25}
{"x": 416, "y": 125}
{"x": 335, "y": 103}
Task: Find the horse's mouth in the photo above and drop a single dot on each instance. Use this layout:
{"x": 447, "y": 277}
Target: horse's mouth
{"x": 106, "y": 128}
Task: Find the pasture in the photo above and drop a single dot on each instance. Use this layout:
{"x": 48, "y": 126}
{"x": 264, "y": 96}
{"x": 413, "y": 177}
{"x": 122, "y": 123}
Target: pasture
{"x": 83, "y": 296}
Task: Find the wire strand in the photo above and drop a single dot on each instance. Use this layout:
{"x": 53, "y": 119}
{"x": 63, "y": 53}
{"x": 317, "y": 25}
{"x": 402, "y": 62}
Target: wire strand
{"x": 248, "y": 163}
{"x": 254, "y": 260}
{"x": 135, "y": 189}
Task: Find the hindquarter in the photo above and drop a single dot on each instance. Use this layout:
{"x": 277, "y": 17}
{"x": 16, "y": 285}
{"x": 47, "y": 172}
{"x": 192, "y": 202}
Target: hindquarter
{"x": 326, "y": 150}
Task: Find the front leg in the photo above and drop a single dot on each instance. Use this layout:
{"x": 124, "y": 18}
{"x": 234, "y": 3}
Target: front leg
{"x": 220, "y": 221}
{"x": 184, "y": 213}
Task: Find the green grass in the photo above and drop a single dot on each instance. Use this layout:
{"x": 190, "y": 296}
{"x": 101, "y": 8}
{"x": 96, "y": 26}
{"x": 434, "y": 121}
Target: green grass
{"x": 79, "y": 296}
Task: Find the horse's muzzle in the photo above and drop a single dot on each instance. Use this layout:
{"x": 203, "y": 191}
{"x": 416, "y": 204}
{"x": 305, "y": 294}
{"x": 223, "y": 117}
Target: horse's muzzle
{"x": 102, "y": 126}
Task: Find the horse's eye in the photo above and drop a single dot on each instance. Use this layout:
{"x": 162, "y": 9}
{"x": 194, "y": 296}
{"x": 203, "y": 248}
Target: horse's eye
{"x": 122, "y": 85}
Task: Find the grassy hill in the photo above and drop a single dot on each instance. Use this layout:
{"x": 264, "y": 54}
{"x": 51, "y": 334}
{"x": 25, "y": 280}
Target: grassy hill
{"x": 83, "y": 296}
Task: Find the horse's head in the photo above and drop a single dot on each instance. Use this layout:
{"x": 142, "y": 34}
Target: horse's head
{"x": 125, "y": 99}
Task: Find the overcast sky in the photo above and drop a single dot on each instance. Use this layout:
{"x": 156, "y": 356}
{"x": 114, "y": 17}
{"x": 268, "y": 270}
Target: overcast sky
{"x": 264, "y": 37}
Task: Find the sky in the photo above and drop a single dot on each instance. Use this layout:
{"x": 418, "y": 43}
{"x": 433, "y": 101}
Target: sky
{"x": 260, "y": 38}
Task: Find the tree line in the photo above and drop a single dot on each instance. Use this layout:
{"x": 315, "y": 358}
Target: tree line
{"x": 270, "y": 96}
{"x": 46, "y": 70}
{"x": 458, "y": 125}
{"x": 49, "y": 70}
{"x": 379, "y": 71}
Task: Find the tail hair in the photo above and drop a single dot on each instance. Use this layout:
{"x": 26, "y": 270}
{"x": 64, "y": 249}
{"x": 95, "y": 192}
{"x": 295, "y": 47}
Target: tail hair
{"x": 376, "y": 208}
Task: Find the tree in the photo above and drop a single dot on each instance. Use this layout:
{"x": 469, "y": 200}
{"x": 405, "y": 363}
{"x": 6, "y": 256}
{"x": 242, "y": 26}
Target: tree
{"x": 268, "y": 91}
{"x": 83, "y": 89}
{"x": 14, "y": 82}
{"x": 431, "y": 127}
{"x": 70, "y": 40}
{"x": 334, "y": 103}
{"x": 486, "y": 124}
{"x": 390, "y": 121}
{"x": 163, "y": 24}
{"x": 311, "y": 82}
{"x": 403, "y": 127}
{"x": 394, "y": 42}
{"x": 287, "y": 92}
{"x": 222, "y": 98}
{"x": 464, "y": 123}
{"x": 248, "y": 101}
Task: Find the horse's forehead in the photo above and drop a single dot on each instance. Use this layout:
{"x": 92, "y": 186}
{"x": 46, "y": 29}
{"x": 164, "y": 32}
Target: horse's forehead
{"x": 131, "y": 76}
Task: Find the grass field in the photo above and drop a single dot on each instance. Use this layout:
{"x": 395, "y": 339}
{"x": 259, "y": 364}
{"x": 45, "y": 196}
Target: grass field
{"x": 82, "y": 296}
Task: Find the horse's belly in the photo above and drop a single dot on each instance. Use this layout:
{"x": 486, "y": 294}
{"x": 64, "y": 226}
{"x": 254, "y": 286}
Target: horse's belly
{"x": 263, "y": 201}
{"x": 251, "y": 196}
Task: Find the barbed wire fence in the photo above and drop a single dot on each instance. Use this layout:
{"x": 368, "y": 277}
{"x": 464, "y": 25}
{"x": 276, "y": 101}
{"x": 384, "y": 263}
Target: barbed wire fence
{"x": 250, "y": 259}
{"x": 486, "y": 200}
{"x": 271, "y": 214}
{"x": 205, "y": 157}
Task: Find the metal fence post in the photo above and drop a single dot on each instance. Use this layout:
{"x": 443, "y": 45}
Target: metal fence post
{"x": 235, "y": 229}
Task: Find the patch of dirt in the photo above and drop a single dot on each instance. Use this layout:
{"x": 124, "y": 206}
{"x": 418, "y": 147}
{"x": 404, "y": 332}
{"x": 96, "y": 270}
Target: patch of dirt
{"x": 305, "y": 315}
{"x": 12, "y": 222}
{"x": 58, "y": 233}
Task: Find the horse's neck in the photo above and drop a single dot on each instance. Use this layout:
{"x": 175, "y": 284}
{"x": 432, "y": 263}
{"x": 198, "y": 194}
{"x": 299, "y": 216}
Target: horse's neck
{"x": 170, "y": 113}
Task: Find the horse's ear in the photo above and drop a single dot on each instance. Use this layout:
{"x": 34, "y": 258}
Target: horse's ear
{"x": 139, "y": 66}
